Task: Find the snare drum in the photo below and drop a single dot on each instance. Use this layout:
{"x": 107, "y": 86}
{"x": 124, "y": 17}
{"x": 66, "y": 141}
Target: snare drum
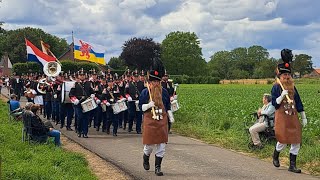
{"x": 174, "y": 106}
{"x": 88, "y": 105}
{"x": 119, "y": 107}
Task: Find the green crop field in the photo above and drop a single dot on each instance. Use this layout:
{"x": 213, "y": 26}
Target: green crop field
{"x": 216, "y": 115}
{"x": 26, "y": 161}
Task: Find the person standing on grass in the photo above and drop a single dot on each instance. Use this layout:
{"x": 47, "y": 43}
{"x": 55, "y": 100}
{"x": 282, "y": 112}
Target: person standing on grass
{"x": 155, "y": 124}
{"x": 287, "y": 126}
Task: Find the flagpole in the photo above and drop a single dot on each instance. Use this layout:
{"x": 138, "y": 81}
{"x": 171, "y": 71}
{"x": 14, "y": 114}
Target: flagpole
{"x": 73, "y": 46}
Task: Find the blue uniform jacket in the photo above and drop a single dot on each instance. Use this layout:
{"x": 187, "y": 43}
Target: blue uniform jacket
{"x": 276, "y": 92}
{"x": 144, "y": 98}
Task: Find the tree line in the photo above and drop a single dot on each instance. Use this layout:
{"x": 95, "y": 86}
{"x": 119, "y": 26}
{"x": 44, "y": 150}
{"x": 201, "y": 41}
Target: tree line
{"x": 180, "y": 53}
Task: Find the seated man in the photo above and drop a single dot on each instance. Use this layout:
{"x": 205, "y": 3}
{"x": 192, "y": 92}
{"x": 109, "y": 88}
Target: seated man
{"x": 15, "y": 109}
{"x": 43, "y": 128}
{"x": 262, "y": 123}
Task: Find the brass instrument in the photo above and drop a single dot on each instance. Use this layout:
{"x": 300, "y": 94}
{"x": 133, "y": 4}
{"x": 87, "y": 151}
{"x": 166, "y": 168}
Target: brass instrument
{"x": 51, "y": 69}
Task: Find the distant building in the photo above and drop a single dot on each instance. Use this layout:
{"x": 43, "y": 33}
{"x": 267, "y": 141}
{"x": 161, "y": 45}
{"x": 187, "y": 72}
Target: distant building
{"x": 5, "y": 65}
{"x": 68, "y": 55}
{"x": 314, "y": 73}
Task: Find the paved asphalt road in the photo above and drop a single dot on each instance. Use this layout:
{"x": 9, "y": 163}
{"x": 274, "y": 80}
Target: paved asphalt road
{"x": 185, "y": 158}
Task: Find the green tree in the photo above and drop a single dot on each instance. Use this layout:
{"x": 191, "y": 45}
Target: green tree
{"x": 181, "y": 54}
{"x": 116, "y": 63}
{"x": 220, "y": 64}
{"x": 13, "y": 42}
{"x": 302, "y": 64}
{"x": 265, "y": 69}
{"x": 139, "y": 52}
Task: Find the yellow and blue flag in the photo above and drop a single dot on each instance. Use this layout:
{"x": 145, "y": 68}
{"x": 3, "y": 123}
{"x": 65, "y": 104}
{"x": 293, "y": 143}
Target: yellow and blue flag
{"x": 88, "y": 51}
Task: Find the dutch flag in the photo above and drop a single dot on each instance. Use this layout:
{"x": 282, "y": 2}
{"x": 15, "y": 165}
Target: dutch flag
{"x": 36, "y": 55}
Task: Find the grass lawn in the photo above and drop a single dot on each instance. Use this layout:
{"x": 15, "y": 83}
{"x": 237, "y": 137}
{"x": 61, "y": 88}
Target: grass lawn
{"x": 21, "y": 160}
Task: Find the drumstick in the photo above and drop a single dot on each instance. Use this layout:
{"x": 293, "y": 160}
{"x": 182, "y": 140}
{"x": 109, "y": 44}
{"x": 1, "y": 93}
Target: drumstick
{"x": 153, "y": 112}
{"x": 287, "y": 96}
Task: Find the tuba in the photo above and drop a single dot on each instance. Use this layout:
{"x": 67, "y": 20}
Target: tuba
{"x": 51, "y": 69}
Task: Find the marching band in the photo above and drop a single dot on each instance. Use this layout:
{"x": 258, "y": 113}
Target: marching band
{"x": 90, "y": 98}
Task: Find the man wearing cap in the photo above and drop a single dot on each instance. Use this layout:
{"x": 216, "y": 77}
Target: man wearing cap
{"x": 155, "y": 104}
{"x": 165, "y": 83}
{"x": 133, "y": 92}
{"x": 79, "y": 93}
{"x": 288, "y": 104}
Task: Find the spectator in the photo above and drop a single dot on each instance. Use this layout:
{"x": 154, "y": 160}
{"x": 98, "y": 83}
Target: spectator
{"x": 261, "y": 125}
{"x": 41, "y": 128}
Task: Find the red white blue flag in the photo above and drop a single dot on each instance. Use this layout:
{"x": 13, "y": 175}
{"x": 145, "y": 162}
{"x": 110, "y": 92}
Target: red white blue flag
{"x": 36, "y": 55}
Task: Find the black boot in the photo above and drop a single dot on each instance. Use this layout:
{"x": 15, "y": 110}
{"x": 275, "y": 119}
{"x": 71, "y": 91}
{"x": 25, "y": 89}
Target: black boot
{"x": 292, "y": 166}
{"x": 158, "y": 166}
{"x": 146, "y": 164}
{"x": 275, "y": 157}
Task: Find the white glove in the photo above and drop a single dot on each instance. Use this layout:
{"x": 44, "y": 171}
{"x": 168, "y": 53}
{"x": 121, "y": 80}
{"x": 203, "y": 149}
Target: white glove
{"x": 55, "y": 96}
{"x": 147, "y": 106}
{"x": 98, "y": 101}
{"x": 175, "y": 97}
{"x": 304, "y": 118}
{"x": 76, "y": 101}
{"x": 171, "y": 98}
{"x": 108, "y": 104}
{"x": 129, "y": 98}
{"x": 281, "y": 97}
{"x": 123, "y": 99}
{"x": 92, "y": 95}
{"x": 171, "y": 118}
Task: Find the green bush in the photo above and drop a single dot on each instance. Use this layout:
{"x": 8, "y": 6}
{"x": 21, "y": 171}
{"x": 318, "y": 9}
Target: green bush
{"x": 33, "y": 67}
{"x": 26, "y": 68}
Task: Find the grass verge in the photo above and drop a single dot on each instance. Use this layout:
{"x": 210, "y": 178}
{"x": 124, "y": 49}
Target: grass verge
{"x": 21, "y": 160}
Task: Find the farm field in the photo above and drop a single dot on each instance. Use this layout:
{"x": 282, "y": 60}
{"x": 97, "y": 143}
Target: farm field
{"x": 216, "y": 115}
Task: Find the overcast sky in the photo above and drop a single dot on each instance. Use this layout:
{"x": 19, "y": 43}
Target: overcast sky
{"x": 219, "y": 24}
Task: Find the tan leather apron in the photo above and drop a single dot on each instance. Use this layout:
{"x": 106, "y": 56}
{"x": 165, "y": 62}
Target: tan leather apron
{"x": 155, "y": 131}
{"x": 287, "y": 127}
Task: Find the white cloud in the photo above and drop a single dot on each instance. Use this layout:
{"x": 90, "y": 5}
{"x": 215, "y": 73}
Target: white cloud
{"x": 220, "y": 24}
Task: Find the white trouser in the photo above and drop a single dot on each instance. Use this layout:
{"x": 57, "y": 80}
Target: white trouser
{"x": 293, "y": 150}
{"x": 160, "y": 149}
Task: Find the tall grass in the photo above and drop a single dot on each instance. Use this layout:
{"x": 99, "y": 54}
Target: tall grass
{"x": 216, "y": 114}
{"x": 36, "y": 161}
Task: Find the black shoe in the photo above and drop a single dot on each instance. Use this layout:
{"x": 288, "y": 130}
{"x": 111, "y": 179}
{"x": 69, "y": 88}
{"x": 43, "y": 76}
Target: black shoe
{"x": 146, "y": 164}
{"x": 79, "y": 135}
{"x": 129, "y": 130}
{"x": 275, "y": 158}
{"x": 57, "y": 122}
{"x": 103, "y": 130}
{"x": 97, "y": 128}
{"x": 69, "y": 129}
{"x": 85, "y": 136}
{"x": 108, "y": 131}
{"x": 292, "y": 166}
{"x": 158, "y": 166}
{"x": 61, "y": 127}
{"x": 114, "y": 134}
{"x": 139, "y": 132}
